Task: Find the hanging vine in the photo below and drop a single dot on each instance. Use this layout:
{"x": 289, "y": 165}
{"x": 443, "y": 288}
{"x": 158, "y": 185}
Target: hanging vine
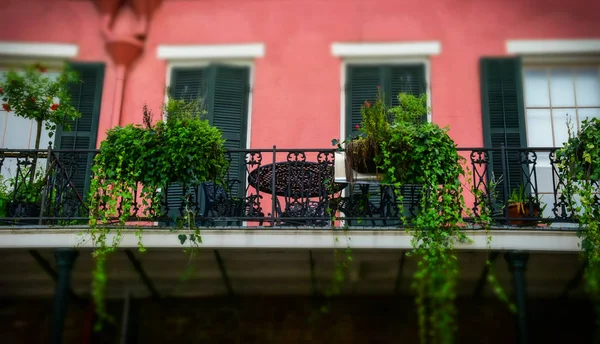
{"x": 579, "y": 165}
{"x": 135, "y": 163}
{"x": 421, "y": 153}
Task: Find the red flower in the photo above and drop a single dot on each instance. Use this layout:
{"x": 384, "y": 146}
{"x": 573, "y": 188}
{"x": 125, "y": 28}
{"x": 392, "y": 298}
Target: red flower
{"x": 6, "y": 107}
{"x": 40, "y": 67}
{"x": 54, "y": 107}
{"x": 1, "y": 91}
{"x": 367, "y": 104}
{"x": 357, "y": 127}
{"x": 378, "y": 87}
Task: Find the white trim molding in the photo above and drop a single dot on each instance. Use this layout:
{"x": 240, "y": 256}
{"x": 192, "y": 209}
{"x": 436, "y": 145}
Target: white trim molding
{"x": 207, "y": 52}
{"x": 502, "y": 239}
{"x": 565, "y": 46}
{"x": 396, "y": 49}
{"x": 38, "y": 50}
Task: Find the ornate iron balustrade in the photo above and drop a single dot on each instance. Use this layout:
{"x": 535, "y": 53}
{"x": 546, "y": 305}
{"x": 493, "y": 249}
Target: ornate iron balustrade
{"x": 287, "y": 187}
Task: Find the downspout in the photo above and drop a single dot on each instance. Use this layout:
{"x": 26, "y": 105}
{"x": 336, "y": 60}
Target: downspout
{"x": 125, "y": 36}
{"x": 121, "y": 70}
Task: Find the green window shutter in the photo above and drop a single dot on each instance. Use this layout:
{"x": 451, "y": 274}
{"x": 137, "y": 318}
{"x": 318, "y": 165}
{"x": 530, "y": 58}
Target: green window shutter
{"x": 189, "y": 83}
{"x": 228, "y": 110}
{"x": 361, "y": 86}
{"x": 503, "y": 114}
{"x": 86, "y": 97}
{"x": 224, "y": 91}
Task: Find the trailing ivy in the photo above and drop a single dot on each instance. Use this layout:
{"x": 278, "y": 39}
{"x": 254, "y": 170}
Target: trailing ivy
{"x": 135, "y": 163}
{"x": 579, "y": 165}
{"x": 422, "y": 153}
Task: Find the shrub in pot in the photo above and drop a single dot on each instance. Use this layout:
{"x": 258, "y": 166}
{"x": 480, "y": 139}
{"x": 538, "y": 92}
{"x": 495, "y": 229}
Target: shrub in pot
{"x": 522, "y": 206}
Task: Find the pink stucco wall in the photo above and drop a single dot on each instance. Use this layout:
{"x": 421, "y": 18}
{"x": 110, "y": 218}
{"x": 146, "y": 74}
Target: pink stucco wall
{"x": 296, "y": 97}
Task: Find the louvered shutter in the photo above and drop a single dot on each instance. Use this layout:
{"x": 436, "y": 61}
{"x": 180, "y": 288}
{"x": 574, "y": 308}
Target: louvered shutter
{"x": 187, "y": 83}
{"x": 409, "y": 79}
{"x": 503, "y": 115}
{"x": 228, "y": 111}
{"x": 361, "y": 86}
{"x": 362, "y": 82}
{"x": 86, "y": 98}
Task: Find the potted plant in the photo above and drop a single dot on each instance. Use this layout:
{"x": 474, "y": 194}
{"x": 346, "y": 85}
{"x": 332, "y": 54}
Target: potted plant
{"x": 4, "y": 198}
{"x": 37, "y": 95}
{"x": 24, "y": 199}
{"x": 522, "y": 206}
{"x": 137, "y": 163}
{"x": 364, "y": 153}
{"x": 362, "y": 150}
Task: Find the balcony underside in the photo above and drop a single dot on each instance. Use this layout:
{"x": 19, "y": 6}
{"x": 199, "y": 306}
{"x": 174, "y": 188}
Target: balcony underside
{"x": 262, "y": 271}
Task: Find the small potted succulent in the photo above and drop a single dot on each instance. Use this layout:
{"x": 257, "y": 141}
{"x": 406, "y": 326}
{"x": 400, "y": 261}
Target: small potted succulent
{"x": 522, "y": 206}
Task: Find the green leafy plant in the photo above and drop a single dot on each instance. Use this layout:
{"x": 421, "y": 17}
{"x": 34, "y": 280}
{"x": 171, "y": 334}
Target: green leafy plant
{"x": 521, "y": 204}
{"x": 579, "y": 165}
{"x": 361, "y": 150}
{"x": 183, "y": 149}
{"x": 422, "y": 153}
{"x": 36, "y": 95}
{"x": 5, "y": 197}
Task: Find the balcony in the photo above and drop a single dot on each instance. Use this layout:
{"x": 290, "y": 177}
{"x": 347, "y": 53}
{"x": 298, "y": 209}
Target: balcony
{"x": 291, "y": 188}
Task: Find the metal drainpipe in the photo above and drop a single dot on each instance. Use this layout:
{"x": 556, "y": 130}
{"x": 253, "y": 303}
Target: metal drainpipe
{"x": 517, "y": 264}
{"x": 65, "y": 258}
{"x": 118, "y": 99}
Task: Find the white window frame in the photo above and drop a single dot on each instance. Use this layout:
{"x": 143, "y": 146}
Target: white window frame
{"x": 16, "y": 55}
{"x": 405, "y": 53}
{"x": 375, "y": 62}
{"x": 206, "y": 63}
{"x": 204, "y": 55}
{"x": 537, "y": 63}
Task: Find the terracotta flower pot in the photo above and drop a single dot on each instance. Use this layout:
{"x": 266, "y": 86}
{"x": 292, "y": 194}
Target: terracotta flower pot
{"x": 521, "y": 210}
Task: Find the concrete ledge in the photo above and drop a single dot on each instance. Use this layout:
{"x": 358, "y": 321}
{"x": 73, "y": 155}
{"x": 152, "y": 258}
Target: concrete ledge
{"x": 502, "y": 239}
{"x": 40, "y": 50}
{"x": 220, "y": 51}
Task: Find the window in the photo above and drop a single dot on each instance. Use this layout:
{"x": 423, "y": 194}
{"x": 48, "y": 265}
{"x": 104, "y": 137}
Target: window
{"x": 225, "y": 92}
{"x": 19, "y": 133}
{"x": 362, "y": 82}
{"x": 529, "y": 106}
{"x": 553, "y": 94}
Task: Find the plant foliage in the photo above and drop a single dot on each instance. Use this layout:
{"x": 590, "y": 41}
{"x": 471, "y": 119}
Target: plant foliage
{"x": 136, "y": 162}
{"x": 579, "y": 164}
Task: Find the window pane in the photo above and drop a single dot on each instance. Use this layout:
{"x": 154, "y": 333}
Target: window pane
{"x": 560, "y": 117}
{"x": 543, "y": 171}
{"x": 588, "y": 87}
{"x": 536, "y": 88}
{"x": 18, "y": 132}
{"x": 539, "y": 128}
{"x": 587, "y": 113}
{"x": 561, "y": 87}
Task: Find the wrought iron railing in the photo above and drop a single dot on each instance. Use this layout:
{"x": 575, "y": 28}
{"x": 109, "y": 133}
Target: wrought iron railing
{"x": 288, "y": 187}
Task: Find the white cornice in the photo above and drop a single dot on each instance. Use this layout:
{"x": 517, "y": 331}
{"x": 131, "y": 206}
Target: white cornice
{"x": 426, "y": 48}
{"x": 38, "y": 50}
{"x": 206, "y": 52}
{"x": 564, "y": 46}
{"x": 248, "y": 238}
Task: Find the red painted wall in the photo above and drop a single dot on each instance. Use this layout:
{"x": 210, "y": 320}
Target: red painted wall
{"x": 296, "y": 99}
